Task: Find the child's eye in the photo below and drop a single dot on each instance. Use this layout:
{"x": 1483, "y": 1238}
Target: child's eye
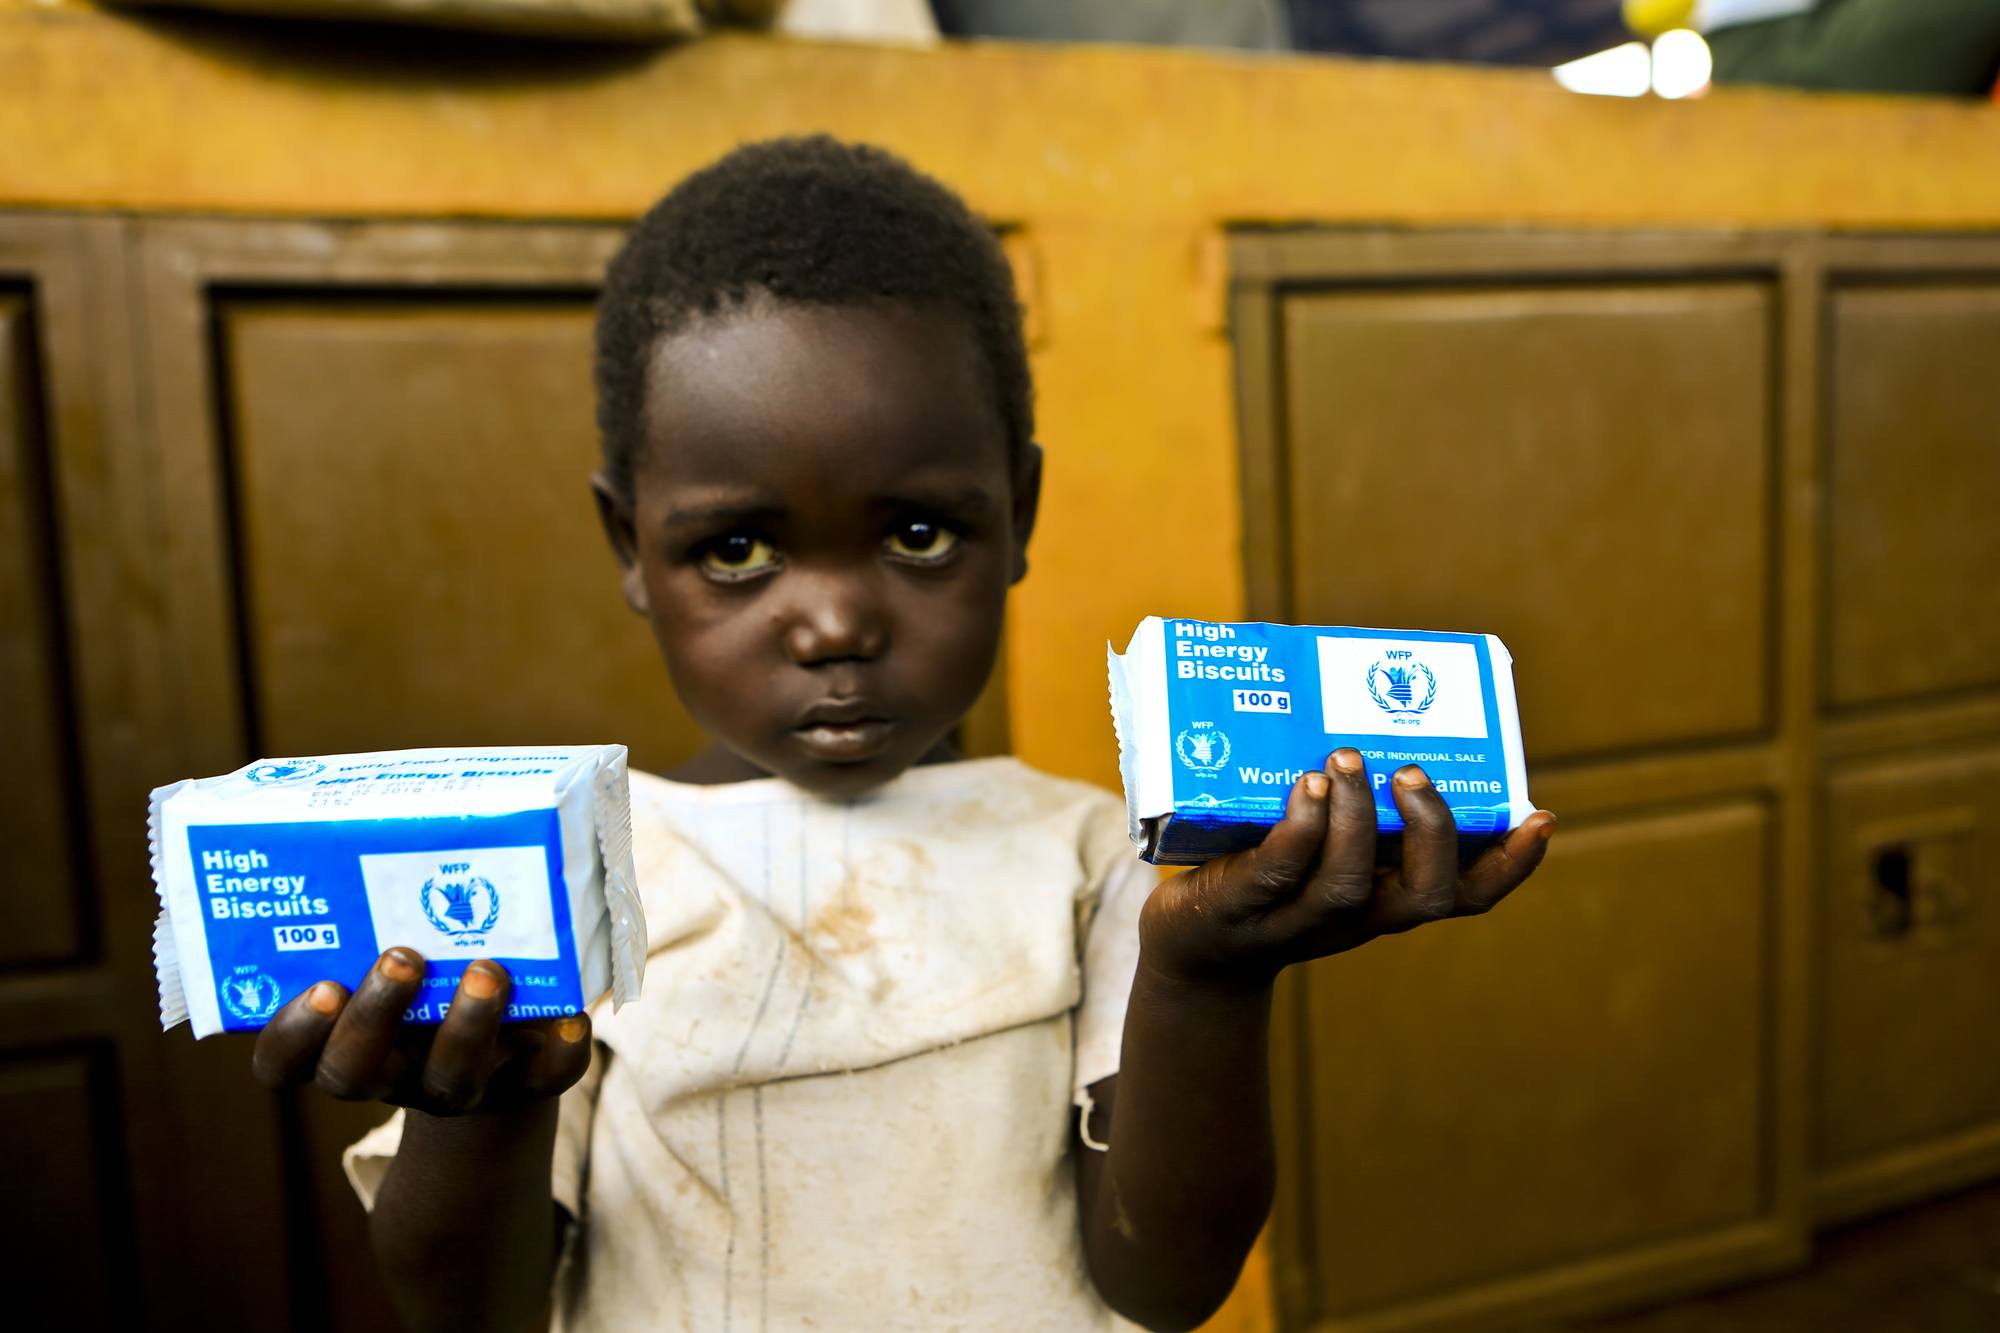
{"x": 921, "y": 540}
{"x": 738, "y": 556}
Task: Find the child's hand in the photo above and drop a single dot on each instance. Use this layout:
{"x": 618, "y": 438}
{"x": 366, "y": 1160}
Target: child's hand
{"x": 1312, "y": 888}
{"x": 357, "y": 1047}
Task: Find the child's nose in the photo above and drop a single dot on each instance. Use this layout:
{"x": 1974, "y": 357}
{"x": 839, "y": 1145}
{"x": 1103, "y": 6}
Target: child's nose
{"x": 834, "y": 620}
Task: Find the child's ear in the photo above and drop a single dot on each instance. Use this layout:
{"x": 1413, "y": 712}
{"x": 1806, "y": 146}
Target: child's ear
{"x": 615, "y": 512}
{"x": 1027, "y": 500}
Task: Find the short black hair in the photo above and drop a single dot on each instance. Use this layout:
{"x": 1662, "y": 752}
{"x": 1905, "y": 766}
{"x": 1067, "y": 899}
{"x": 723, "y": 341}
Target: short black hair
{"x": 807, "y": 220}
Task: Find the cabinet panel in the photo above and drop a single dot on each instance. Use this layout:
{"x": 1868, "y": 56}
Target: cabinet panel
{"x": 1584, "y": 471}
{"x": 1911, "y": 928}
{"x": 36, "y": 833}
{"x": 1583, "y": 1073}
{"x": 420, "y": 560}
{"x": 1914, "y": 568}
{"x": 70, "y": 1266}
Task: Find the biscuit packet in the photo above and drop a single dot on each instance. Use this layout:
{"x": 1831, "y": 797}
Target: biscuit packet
{"x": 1216, "y": 721}
{"x": 290, "y": 871}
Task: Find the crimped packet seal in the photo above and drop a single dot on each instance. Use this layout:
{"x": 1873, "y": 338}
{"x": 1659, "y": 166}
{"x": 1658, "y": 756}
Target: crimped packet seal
{"x": 627, "y": 912}
{"x": 166, "y": 955}
{"x": 1122, "y": 725}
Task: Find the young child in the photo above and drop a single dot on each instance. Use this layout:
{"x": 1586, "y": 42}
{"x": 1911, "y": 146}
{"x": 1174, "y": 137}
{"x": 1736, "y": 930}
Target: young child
{"x": 921, "y": 1045}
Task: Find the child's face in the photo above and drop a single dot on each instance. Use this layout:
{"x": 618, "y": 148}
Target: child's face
{"x": 823, "y": 527}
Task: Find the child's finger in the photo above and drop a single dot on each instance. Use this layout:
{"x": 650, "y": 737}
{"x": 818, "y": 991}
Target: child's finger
{"x": 1275, "y": 867}
{"x": 1502, "y": 867}
{"x": 354, "y": 1065}
{"x": 1346, "y": 874}
{"x": 288, "y": 1048}
{"x": 462, "y": 1055}
{"x": 1427, "y": 887}
{"x": 562, "y": 1059}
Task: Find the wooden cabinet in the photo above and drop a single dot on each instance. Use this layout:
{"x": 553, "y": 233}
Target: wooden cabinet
{"x": 264, "y": 488}
{"x": 1729, "y": 501}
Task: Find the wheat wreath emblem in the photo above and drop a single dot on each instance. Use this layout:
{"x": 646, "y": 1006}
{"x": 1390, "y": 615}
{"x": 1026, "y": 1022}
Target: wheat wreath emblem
{"x": 1403, "y": 687}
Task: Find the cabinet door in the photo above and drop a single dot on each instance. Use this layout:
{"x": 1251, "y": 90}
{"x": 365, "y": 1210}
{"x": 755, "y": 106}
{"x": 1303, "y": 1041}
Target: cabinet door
{"x": 420, "y": 563}
{"x": 1576, "y": 443}
{"x": 1914, "y": 546}
{"x": 420, "y": 559}
{"x": 1578, "y": 1075}
{"x": 38, "y": 830}
{"x": 1584, "y": 471}
{"x": 92, "y": 1178}
{"x": 1910, "y": 925}
{"x": 58, "y": 1101}
{"x": 375, "y": 443}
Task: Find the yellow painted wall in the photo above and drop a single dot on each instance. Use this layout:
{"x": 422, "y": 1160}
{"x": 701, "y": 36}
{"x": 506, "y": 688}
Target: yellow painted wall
{"x": 1116, "y": 171}
{"x": 1121, "y": 169}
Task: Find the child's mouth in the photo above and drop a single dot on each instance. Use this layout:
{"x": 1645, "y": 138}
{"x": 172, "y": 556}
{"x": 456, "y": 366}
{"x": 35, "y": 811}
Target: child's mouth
{"x": 845, "y": 742}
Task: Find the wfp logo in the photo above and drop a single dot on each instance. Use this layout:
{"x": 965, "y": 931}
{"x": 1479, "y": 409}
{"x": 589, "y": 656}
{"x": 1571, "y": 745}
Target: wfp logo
{"x": 250, "y": 995}
{"x": 459, "y": 902}
{"x": 1203, "y": 748}
{"x": 1394, "y": 680}
{"x": 280, "y": 771}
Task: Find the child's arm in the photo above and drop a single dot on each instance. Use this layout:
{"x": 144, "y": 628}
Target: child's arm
{"x": 464, "y": 1230}
{"x": 1170, "y": 1211}
{"x": 464, "y": 1226}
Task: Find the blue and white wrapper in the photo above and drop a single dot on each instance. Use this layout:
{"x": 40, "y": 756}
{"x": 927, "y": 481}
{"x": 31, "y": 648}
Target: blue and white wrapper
{"x": 1217, "y": 721}
{"x": 291, "y": 871}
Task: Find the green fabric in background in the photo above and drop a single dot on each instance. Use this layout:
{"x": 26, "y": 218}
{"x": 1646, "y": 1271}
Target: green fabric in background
{"x": 1884, "y": 46}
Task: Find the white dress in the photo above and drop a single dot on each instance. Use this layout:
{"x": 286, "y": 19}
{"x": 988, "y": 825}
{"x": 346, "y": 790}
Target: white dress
{"x": 844, "y": 1099}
